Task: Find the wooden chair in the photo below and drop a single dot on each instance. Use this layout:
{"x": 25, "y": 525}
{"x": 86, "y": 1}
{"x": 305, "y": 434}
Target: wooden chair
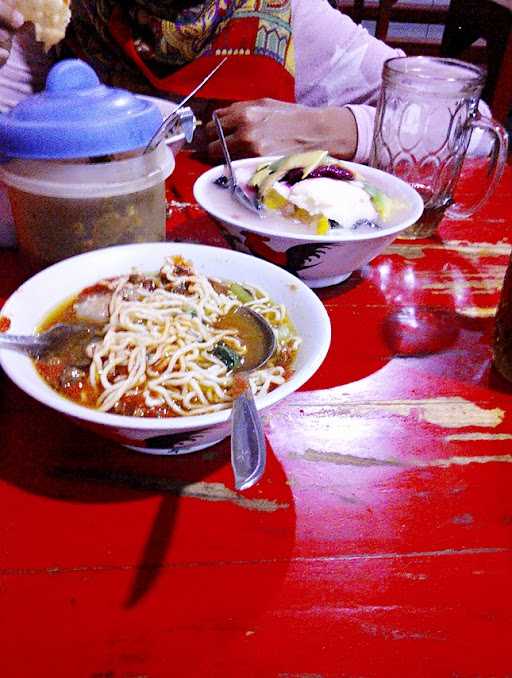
{"x": 466, "y": 23}
{"x": 470, "y": 20}
{"x": 384, "y": 18}
{"x": 385, "y": 11}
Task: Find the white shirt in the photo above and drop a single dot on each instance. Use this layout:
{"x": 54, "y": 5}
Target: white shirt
{"x": 338, "y": 63}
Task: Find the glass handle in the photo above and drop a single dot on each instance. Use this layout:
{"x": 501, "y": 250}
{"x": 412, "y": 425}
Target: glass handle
{"x": 495, "y": 169}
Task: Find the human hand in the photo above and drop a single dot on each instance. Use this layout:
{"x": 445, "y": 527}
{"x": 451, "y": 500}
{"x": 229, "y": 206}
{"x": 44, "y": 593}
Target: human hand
{"x": 270, "y": 127}
{"x": 10, "y": 21}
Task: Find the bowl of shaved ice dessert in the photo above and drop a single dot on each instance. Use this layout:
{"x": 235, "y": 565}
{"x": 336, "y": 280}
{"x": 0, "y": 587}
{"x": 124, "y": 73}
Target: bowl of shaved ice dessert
{"x": 321, "y": 218}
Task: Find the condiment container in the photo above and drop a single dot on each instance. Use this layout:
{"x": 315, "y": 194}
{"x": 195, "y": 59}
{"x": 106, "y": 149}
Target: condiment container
{"x": 75, "y": 170}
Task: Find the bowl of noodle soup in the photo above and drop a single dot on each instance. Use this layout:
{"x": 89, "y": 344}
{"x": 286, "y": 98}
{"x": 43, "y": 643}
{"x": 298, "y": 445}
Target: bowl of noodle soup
{"x": 156, "y": 375}
{"x": 292, "y": 241}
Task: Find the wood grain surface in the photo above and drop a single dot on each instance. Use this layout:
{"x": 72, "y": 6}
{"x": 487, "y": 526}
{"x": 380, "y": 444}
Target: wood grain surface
{"x": 379, "y": 542}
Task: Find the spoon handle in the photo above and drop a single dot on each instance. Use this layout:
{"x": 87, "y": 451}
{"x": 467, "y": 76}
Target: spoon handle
{"x": 169, "y": 121}
{"x": 23, "y": 343}
{"x": 248, "y": 450}
{"x": 225, "y": 151}
{"x": 252, "y": 204}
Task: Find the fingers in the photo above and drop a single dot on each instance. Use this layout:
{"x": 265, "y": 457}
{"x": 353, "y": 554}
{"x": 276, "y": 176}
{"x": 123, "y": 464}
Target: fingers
{"x": 237, "y": 149}
{"x": 9, "y": 16}
{"x": 230, "y": 118}
{"x": 241, "y": 106}
{"x": 244, "y": 114}
{"x": 4, "y": 55}
{"x": 242, "y": 138}
{"x": 261, "y": 127}
{"x": 10, "y": 21}
{"x": 241, "y": 146}
{"x": 5, "y": 45}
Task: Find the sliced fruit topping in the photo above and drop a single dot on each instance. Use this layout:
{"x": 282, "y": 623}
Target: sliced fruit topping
{"x": 264, "y": 180}
{"x": 274, "y": 200}
{"x": 322, "y": 226}
{"x": 383, "y": 205}
{"x": 332, "y": 172}
{"x": 293, "y": 176}
{"x": 303, "y": 215}
{"x": 310, "y": 160}
{"x": 261, "y": 173}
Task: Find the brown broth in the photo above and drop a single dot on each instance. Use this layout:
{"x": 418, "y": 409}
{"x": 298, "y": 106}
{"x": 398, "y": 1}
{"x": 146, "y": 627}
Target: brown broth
{"x": 249, "y": 333}
{"x": 63, "y": 313}
{"x": 53, "y": 368}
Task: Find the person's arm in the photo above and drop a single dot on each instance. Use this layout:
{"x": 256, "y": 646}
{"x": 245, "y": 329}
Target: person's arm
{"x": 10, "y": 21}
{"x": 25, "y": 70}
{"x": 344, "y": 69}
{"x": 269, "y": 127}
{"x": 338, "y": 64}
{"x": 338, "y": 78}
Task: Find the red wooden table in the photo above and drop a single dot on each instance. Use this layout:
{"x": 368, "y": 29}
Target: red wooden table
{"x": 379, "y": 542}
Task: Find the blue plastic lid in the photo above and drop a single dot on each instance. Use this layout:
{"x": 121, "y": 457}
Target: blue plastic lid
{"x": 77, "y": 117}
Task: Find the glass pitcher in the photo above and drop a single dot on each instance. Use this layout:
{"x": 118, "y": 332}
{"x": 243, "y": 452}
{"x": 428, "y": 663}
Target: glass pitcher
{"x": 427, "y": 111}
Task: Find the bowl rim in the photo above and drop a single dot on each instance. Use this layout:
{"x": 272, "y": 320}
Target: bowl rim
{"x": 207, "y": 178}
{"x": 35, "y": 386}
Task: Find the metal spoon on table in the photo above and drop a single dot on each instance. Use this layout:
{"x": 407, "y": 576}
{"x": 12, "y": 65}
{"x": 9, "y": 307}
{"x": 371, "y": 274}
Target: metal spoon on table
{"x": 251, "y": 203}
{"x": 248, "y": 450}
{"x": 56, "y": 338}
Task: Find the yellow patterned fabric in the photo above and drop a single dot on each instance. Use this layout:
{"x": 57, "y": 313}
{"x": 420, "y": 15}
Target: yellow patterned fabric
{"x": 172, "y": 33}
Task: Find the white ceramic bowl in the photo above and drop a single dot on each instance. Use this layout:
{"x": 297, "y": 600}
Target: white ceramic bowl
{"x": 318, "y": 260}
{"x": 31, "y": 302}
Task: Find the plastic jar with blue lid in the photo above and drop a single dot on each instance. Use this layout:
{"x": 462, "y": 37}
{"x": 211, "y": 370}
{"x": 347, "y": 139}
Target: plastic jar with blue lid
{"x": 75, "y": 170}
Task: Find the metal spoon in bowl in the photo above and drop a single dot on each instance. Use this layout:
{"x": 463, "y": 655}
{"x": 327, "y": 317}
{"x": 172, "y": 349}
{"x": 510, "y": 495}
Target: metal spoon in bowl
{"x": 248, "y": 451}
{"x": 251, "y": 203}
{"x": 51, "y": 341}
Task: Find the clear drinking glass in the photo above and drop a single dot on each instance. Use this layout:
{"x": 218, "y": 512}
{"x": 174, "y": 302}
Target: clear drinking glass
{"x": 427, "y": 111}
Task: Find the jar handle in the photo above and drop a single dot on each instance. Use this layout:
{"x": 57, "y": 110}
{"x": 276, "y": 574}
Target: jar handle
{"x": 495, "y": 169}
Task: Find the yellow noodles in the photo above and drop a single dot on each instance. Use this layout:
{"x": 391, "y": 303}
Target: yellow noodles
{"x": 160, "y": 336}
